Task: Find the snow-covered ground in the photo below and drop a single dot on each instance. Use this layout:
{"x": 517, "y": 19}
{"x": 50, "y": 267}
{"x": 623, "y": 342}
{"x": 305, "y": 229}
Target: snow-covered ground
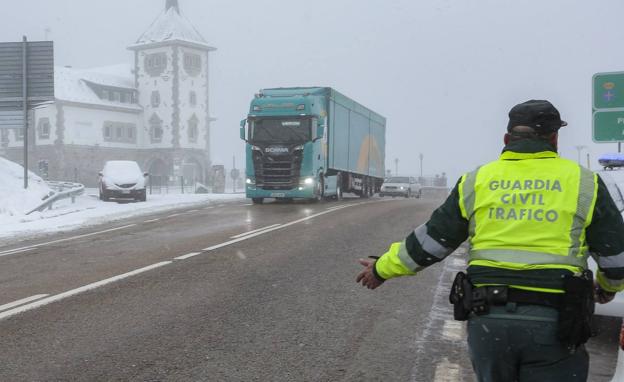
{"x": 87, "y": 210}
{"x": 14, "y": 202}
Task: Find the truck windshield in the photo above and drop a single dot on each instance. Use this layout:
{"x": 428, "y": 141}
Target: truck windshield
{"x": 283, "y": 130}
{"x": 399, "y": 179}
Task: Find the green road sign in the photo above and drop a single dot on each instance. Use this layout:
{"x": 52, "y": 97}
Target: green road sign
{"x": 608, "y": 90}
{"x": 608, "y": 126}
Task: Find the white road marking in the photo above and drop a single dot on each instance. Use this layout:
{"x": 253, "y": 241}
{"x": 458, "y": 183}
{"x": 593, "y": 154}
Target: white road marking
{"x": 151, "y": 220}
{"x": 248, "y": 204}
{"x": 15, "y": 250}
{"x": 459, "y": 263}
{"x": 207, "y": 208}
{"x": 254, "y": 231}
{"x": 249, "y": 236}
{"x": 192, "y": 211}
{"x": 173, "y": 215}
{"x": 21, "y": 302}
{"x": 183, "y": 257}
{"x": 446, "y": 372}
{"x": 73, "y": 292}
{"x": 453, "y": 330}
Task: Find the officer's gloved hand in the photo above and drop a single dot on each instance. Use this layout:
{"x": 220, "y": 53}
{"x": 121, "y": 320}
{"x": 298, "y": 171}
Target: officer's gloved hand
{"x": 602, "y": 296}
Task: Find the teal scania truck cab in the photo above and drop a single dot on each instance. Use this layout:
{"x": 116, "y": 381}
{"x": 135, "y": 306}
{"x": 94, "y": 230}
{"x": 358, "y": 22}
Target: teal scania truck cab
{"x": 311, "y": 143}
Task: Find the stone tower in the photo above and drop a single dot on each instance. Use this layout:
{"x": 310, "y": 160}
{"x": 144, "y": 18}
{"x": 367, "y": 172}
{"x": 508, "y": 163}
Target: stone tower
{"x": 171, "y": 76}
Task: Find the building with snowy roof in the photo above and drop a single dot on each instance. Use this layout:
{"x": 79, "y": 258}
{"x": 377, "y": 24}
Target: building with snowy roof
{"x": 154, "y": 111}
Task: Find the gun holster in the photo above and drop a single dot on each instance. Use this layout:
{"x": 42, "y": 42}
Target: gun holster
{"x": 577, "y": 309}
{"x": 461, "y": 297}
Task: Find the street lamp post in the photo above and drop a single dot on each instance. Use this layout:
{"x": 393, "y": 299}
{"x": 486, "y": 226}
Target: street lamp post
{"x": 578, "y": 152}
{"x": 396, "y": 166}
{"x": 421, "y": 160}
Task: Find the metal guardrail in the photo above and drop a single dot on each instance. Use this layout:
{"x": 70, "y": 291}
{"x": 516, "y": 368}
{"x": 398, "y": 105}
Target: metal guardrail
{"x": 61, "y": 190}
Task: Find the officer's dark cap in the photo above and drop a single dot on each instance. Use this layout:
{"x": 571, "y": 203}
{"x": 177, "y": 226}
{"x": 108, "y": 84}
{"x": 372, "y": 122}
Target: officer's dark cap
{"x": 540, "y": 115}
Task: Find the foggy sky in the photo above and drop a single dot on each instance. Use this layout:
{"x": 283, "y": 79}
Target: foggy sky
{"x": 444, "y": 73}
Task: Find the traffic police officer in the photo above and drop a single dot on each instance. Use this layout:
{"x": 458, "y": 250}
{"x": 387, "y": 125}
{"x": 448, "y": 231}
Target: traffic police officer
{"x": 532, "y": 218}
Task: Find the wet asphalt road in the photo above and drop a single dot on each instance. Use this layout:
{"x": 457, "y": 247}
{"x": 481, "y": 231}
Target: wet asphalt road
{"x": 182, "y": 296}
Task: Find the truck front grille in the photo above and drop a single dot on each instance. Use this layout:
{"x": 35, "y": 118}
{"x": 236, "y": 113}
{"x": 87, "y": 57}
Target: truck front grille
{"x": 277, "y": 172}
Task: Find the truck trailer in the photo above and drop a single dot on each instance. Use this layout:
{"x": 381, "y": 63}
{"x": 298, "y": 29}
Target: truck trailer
{"x": 311, "y": 143}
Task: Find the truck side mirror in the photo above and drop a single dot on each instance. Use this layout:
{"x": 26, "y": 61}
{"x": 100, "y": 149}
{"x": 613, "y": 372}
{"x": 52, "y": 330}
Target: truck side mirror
{"x": 243, "y": 136}
{"x": 320, "y": 129}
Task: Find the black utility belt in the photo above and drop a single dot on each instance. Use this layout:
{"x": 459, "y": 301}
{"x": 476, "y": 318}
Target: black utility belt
{"x": 575, "y": 305}
{"x": 485, "y": 296}
{"x": 467, "y": 298}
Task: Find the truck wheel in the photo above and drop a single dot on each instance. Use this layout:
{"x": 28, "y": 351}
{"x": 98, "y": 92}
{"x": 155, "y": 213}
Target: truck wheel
{"x": 339, "y": 188}
{"x": 319, "y": 193}
{"x": 408, "y": 195}
{"x": 257, "y": 200}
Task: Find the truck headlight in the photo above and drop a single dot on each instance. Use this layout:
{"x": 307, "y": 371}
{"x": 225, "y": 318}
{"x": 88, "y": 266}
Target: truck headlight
{"x": 250, "y": 181}
{"x": 255, "y": 148}
{"x": 308, "y": 181}
{"x": 402, "y": 188}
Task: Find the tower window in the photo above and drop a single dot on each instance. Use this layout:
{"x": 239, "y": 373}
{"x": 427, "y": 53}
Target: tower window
{"x": 156, "y": 129}
{"x": 193, "y": 98}
{"x": 155, "y": 98}
{"x": 193, "y": 129}
{"x": 155, "y": 64}
{"x": 192, "y": 64}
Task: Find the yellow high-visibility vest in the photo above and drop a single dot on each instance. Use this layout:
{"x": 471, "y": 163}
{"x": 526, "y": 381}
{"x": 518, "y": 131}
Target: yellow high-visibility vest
{"x": 529, "y": 211}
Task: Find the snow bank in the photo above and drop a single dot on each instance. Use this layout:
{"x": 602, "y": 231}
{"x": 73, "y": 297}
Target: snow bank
{"x": 88, "y": 211}
{"x": 14, "y": 200}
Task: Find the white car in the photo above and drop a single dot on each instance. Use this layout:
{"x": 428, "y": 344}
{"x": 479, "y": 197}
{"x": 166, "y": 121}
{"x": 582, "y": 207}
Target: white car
{"x": 122, "y": 179}
{"x": 614, "y": 180}
{"x": 405, "y": 186}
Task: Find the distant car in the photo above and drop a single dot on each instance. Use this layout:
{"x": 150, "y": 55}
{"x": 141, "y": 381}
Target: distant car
{"x": 405, "y": 186}
{"x": 122, "y": 179}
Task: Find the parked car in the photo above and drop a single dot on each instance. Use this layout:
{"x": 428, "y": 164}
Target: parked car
{"x": 614, "y": 180}
{"x": 122, "y": 179}
{"x": 405, "y": 186}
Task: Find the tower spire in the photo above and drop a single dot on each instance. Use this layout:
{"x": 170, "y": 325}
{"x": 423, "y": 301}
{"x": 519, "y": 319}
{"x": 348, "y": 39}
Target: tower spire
{"x": 172, "y": 4}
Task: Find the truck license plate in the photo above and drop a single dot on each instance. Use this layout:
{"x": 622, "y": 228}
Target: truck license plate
{"x": 277, "y": 194}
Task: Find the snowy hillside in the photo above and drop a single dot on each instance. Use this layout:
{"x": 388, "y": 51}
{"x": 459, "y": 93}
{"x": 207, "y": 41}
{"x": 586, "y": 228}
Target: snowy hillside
{"x": 14, "y": 200}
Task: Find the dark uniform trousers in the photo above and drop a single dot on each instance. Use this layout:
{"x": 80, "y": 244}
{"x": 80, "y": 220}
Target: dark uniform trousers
{"x": 518, "y": 343}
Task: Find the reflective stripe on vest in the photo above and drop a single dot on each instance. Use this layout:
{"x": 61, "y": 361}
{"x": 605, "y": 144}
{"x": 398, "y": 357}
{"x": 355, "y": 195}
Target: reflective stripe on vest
{"x": 529, "y": 210}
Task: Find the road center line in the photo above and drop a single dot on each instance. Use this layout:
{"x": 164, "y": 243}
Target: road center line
{"x": 76, "y": 291}
{"x": 249, "y": 236}
{"x": 151, "y": 220}
{"x": 15, "y": 250}
{"x": 254, "y": 231}
{"x": 173, "y": 215}
{"x": 22, "y": 301}
{"x": 183, "y": 257}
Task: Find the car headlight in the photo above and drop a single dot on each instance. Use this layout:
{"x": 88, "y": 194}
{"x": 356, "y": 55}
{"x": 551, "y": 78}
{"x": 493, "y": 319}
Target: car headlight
{"x": 308, "y": 181}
